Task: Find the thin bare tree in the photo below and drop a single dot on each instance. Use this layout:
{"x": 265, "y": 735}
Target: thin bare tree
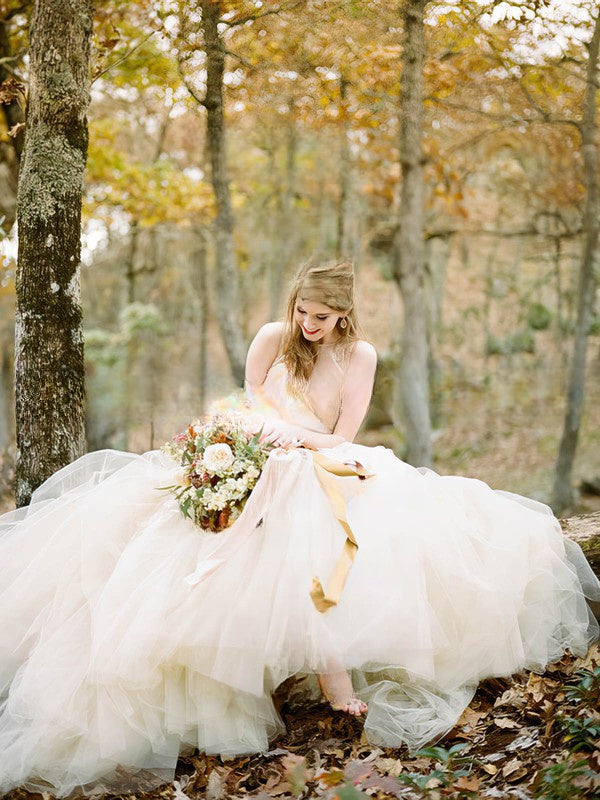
{"x": 562, "y": 493}
{"x": 411, "y": 402}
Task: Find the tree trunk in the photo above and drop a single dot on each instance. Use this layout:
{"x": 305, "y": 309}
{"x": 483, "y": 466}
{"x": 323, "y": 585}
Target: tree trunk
{"x": 284, "y": 235}
{"x": 129, "y": 380}
{"x": 562, "y": 494}
{"x": 558, "y": 283}
{"x": 130, "y": 271}
{"x": 227, "y": 279}
{"x": 49, "y": 364}
{"x": 199, "y": 267}
{"x": 408, "y": 260}
{"x": 437, "y": 252}
{"x": 342, "y": 244}
{"x": 6, "y": 398}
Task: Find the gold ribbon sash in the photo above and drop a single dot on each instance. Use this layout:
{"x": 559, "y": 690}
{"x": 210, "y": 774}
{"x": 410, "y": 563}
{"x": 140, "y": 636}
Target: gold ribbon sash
{"x": 325, "y": 469}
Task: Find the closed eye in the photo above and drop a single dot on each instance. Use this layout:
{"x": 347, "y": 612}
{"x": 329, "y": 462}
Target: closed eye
{"x": 320, "y": 317}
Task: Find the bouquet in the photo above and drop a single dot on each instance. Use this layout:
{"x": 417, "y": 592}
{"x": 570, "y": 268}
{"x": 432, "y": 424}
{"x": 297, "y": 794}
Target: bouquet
{"x": 221, "y": 464}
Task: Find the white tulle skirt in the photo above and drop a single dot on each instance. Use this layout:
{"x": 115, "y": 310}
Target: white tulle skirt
{"x": 129, "y": 636}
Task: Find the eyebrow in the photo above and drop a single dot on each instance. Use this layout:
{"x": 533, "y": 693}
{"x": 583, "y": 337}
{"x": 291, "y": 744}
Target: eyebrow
{"x": 317, "y": 313}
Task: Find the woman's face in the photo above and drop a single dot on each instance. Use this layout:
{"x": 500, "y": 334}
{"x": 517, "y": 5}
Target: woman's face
{"x": 317, "y": 321}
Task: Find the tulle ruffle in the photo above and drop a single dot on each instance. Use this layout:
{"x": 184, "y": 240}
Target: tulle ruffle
{"x": 128, "y": 635}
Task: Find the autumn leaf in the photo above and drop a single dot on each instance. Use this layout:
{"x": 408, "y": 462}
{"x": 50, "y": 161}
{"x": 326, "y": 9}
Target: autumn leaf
{"x": 513, "y": 769}
{"x": 505, "y": 722}
{"x": 12, "y": 89}
{"x": 469, "y": 784}
{"x": 16, "y": 129}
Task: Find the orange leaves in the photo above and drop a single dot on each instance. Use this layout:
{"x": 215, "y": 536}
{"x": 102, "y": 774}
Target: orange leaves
{"x": 148, "y": 191}
{"x": 467, "y": 784}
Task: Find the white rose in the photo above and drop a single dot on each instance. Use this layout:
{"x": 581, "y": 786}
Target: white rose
{"x": 218, "y": 457}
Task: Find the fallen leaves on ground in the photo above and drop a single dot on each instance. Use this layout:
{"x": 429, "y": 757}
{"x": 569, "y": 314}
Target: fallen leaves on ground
{"x": 528, "y": 736}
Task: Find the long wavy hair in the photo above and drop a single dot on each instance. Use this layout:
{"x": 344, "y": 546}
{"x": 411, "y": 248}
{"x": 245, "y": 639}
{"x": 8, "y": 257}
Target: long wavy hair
{"x": 331, "y": 284}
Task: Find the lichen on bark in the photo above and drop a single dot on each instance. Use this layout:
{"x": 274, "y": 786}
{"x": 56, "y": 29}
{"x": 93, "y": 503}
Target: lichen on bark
{"x": 49, "y": 364}
{"x": 51, "y": 175}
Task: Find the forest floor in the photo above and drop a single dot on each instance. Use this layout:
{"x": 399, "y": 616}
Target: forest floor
{"x": 531, "y": 736}
{"x": 528, "y": 736}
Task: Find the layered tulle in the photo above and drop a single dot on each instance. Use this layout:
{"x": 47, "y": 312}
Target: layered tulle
{"x": 128, "y": 635}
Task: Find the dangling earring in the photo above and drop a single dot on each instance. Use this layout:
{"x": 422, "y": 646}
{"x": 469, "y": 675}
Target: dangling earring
{"x": 343, "y": 322}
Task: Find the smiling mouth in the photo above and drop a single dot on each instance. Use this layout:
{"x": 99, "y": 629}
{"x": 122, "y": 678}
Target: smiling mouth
{"x": 316, "y": 330}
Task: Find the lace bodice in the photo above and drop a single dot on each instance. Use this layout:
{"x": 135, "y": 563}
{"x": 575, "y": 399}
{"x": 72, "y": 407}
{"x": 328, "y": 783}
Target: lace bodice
{"x": 318, "y": 406}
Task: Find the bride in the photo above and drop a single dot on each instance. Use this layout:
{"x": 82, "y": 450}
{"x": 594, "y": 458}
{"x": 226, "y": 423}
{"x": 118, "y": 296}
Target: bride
{"x": 129, "y": 636}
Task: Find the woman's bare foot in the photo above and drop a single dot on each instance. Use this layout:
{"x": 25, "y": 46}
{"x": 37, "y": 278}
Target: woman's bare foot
{"x": 338, "y": 691}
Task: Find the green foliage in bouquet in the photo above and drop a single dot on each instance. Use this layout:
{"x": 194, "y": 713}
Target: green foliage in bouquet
{"x": 221, "y": 463}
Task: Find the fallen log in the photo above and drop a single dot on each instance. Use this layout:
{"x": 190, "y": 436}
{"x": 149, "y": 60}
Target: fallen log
{"x": 585, "y": 530}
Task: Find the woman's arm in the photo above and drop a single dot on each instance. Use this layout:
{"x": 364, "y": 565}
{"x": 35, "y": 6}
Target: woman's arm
{"x": 356, "y": 391}
{"x": 262, "y": 353}
{"x": 356, "y": 396}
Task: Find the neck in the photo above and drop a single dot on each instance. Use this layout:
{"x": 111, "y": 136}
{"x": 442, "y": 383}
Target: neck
{"x": 335, "y": 338}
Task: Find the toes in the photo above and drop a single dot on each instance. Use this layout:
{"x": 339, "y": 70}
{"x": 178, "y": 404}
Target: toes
{"x": 356, "y": 707}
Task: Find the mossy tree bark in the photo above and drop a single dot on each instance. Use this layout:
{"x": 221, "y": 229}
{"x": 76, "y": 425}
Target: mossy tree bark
{"x": 562, "y": 494}
{"x": 49, "y": 364}
{"x": 408, "y": 252}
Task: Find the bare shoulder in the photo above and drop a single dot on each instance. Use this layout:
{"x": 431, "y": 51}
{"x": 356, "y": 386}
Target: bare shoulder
{"x": 364, "y": 355}
{"x": 263, "y": 351}
{"x": 271, "y": 332}
{"x": 358, "y": 388}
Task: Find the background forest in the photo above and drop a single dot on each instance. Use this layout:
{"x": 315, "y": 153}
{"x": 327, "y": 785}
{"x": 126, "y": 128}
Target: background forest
{"x": 308, "y": 165}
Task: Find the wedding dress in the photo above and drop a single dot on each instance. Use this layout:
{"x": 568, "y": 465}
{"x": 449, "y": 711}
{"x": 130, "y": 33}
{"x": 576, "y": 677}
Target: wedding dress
{"x": 128, "y": 635}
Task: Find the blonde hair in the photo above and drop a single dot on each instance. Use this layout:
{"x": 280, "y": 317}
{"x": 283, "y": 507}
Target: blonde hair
{"x": 331, "y": 284}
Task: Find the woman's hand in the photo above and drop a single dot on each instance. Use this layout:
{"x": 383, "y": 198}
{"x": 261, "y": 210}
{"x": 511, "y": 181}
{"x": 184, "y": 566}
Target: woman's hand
{"x": 281, "y": 434}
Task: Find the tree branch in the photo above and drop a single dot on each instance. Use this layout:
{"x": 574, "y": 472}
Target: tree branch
{"x": 241, "y": 59}
{"x": 478, "y": 137}
{"x": 508, "y": 118}
{"x": 188, "y": 85}
{"x": 545, "y": 115}
{"x": 250, "y": 17}
{"x": 14, "y": 73}
{"x": 123, "y": 58}
{"x": 508, "y": 234}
